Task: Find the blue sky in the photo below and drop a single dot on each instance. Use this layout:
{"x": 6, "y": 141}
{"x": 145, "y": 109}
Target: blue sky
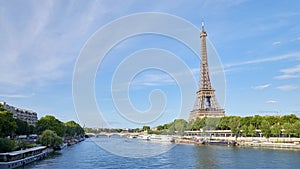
{"x": 257, "y": 42}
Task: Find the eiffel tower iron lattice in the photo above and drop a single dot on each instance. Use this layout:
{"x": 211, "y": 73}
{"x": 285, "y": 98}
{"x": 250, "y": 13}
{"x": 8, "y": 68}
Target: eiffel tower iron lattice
{"x": 206, "y": 104}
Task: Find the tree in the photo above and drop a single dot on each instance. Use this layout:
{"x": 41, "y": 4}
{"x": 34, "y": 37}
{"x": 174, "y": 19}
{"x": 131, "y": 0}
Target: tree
{"x": 7, "y": 123}
{"x": 289, "y": 119}
{"x": 251, "y": 130}
{"x": 22, "y": 127}
{"x": 160, "y": 127}
{"x": 6, "y": 145}
{"x": 180, "y": 126}
{"x": 256, "y": 121}
{"x": 244, "y": 129}
{"x": 189, "y": 125}
{"x": 224, "y": 123}
{"x": 50, "y": 123}
{"x": 234, "y": 124}
{"x": 146, "y": 128}
{"x": 288, "y": 129}
{"x": 199, "y": 123}
{"x": 297, "y": 128}
{"x": 276, "y": 130}
{"x": 50, "y": 139}
{"x": 73, "y": 129}
{"x": 211, "y": 123}
{"x": 265, "y": 128}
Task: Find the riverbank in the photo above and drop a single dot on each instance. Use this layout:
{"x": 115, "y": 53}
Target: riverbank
{"x": 273, "y": 142}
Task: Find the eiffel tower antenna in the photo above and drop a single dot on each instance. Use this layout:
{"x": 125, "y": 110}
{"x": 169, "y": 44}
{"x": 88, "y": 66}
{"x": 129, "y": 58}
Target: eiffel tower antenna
{"x": 206, "y": 104}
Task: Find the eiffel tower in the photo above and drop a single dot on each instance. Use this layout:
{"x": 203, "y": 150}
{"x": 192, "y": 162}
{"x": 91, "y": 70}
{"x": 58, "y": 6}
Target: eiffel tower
{"x": 206, "y": 104}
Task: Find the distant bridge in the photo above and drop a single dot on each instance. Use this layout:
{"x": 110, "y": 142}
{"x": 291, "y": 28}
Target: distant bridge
{"x": 108, "y": 134}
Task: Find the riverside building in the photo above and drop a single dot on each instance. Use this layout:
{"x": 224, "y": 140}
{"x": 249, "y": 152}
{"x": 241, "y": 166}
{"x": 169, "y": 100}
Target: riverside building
{"x": 26, "y": 115}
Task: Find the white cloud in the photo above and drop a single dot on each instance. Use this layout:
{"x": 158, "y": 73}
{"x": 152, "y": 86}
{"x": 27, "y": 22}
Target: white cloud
{"x": 276, "y": 43}
{"x": 289, "y": 73}
{"x": 286, "y": 76}
{"x": 269, "y": 59}
{"x": 16, "y": 95}
{"x": 271, "y": 101}
{"x": 287, "y": 87}
{"x": 292, "y": 70}
{"x": 41, "y": 46}
{"x": 154, "y": 80}
{"x": 260, "y": 87}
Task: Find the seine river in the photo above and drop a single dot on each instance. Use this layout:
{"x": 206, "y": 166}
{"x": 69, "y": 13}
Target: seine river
{"x": 88, "y": 154}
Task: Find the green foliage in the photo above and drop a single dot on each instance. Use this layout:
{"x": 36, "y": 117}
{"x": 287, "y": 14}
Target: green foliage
{"x": 265, "y": 128}
{"x": 289, "y": 119}
{"x": 211, "y": 123}
{"x": 288, "y": 129}
{"x": 198, "y": 123}
{"x": 297, "y": 128}
{"x": 276, "y": 130}
{"x": 136, "y": 130}
{"x": 146, "y": 128}
{"x": 73, "y": 129}
{"x": 224, "y": 123}
{"x": 49, "y": 138}
{"x": 50, "y": 123}
{"x": 22, "y": 127}
{"x": 6, "y": 145}
{"x": 251, "y": 130}
{"x": 158, "y": 132}
{"x": 234, "y": 124}
{"x": 160, "y": 127}
{"x": 180, "y": 126}
{"x": 7, "y": 123}
{"x": 22, "y": 144}
{"x": 244, "y": 129}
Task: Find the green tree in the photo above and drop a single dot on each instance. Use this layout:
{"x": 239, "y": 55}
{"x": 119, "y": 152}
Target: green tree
{"x": 198, "y": 123}
{"x": 190, "y": 124}
{"x": 136, "y": 130}
{"x": 6, "y": 145}
{"x": 50, "y": 123}
{"x": 289, "y": 119}
{"x": 244, "y": 129}
{"x": 73, "y": 129}
{"x": 180, "y": 126}
{"x": 22, "y": 127}
{"x": 160, "y": 127}
{"x": 297, "y": 128}
{"x": 265, "y": 128}
{"x": 276, "y": 130}
{"x": 251, "y": 130}
{"x": 7, "y": 123}
{"x": 146, "y": 128}
{"x": 234, "y": 124}
{"x": 50, "y": 139}
{"x": 256, "y": 121}
{"x": 211, "y": 123}
{"x": 288, "y": 129}
{"x": 224, "y": 123}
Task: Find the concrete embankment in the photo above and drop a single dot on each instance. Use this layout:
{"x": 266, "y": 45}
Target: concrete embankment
{"x": 270, "y": 145}
{"x": 273, "y": 142}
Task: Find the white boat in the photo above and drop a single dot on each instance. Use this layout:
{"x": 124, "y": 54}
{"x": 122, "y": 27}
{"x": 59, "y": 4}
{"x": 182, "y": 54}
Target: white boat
{"x": 20, "y": 158}
{"x": 144, "y": 137}
{"x": 162, "y": 138}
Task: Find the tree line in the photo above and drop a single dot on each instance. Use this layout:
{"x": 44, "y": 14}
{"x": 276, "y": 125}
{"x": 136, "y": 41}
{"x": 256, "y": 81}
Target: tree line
{"x": 12, "y": 127}
{"x": 287, "y": 125}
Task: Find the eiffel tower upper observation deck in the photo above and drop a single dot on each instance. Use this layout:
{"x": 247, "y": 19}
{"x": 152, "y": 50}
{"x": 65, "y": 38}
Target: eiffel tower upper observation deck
{"x": 206, "y": 104}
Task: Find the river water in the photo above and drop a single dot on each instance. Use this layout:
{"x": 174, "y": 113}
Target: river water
{"x": 88, "y": 154}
